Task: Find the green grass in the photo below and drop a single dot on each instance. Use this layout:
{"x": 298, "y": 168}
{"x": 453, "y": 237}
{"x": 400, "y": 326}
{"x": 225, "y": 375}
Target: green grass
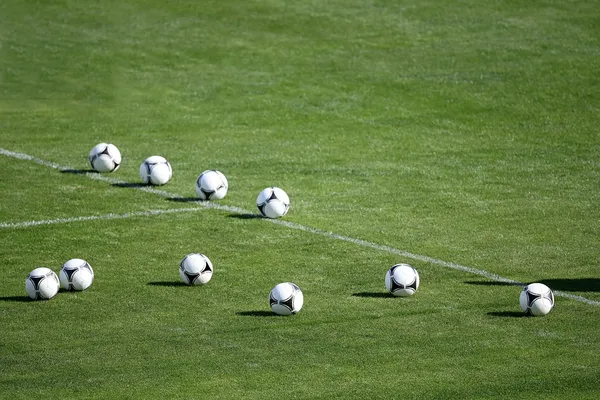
{"x": 460, "y": 130}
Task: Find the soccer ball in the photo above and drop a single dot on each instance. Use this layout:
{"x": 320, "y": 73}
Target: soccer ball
{"x": 42, "y": 283}
{"x": 286, "y": 299}
{"x": 402, "y": 280}
{"x": 76, "y": 274}
{"x": 195, "y": 269}
{"x": 536, "y": 299}
{"x": 273, "y": 202}
{"x": 105, "y": 157}
{"x": 156, "y": 170}
{"x": 211, "y": 185}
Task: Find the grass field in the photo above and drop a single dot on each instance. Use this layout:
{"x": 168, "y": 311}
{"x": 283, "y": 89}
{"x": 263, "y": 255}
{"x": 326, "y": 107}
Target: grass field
{"x": 461, "y": 137}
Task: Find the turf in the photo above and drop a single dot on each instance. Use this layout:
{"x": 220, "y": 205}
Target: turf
{"x": 463, "y": 131}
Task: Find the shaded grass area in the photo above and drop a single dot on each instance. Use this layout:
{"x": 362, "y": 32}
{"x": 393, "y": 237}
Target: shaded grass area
{"x": 569, "y": 285}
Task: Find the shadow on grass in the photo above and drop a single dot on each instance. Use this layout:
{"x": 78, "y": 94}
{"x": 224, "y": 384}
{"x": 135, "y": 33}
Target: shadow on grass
{"x": 257, "y": 313}
{"x": 245, "y": 216}
{"x": 78, "y": 171}
{"x": 375, "y": 295}
{"x": 568, "y": 285}
{"x": 167, "y": 284}
{"x": 573, "y": 285}
{"x": 185, "y": 199}
{"x": 17, "y": 299}
{"x": 130, "y": 185}
{"x": 507, "y": 314}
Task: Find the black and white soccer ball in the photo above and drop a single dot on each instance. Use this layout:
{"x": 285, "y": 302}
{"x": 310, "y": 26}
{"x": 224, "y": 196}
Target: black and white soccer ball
{"x": 195, "y": 269}
{"x": 286, "y": 299}
{"x": 156, "y": 170}
{"x": 42, "y": 284}
{"x": 76, "y": 274}
{"x": 536, "y": 299}
{"x": 105, "y": 157}
{"x": 211, "y": 185}
{"x": 402, "y": 280}
{"x": 273, "y": 202}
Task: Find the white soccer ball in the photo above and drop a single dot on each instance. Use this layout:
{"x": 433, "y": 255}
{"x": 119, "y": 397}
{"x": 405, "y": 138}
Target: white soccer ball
{"x": 536, "y": 299}
{"x": 286, "y": 299}
{"x": 195, "y": 269}
{"x": 42, "y": 284}
{"x": 156, "y": 170}
{"x": 402, "y": 280}
{"x": 211, "y": 185}
{"x": 76, "y": 274}
{"x": 105, "y": 157}
{"x": 273, "y": 202}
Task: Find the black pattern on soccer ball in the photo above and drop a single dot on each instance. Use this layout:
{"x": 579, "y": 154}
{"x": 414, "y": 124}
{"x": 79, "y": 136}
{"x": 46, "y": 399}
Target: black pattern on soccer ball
{"x": 149, "y": 169}
{"x": 207, "y": 194}
{"x": 70, "y": 272}
{"x": 36, "y": 284}
{"x": 191, "y": 277}
{"x": 288, "y": 303}
{"x": 261, "y": 208}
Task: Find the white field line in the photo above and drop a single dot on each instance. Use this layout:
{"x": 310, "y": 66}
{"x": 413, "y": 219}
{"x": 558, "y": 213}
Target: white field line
{"x": 426, "y": 259}
{"x": 293, "y": 225}
{"x": 26, "y": 224}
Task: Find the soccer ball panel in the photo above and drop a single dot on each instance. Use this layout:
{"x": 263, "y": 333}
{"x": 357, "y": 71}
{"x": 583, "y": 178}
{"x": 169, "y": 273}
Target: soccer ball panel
{"x": 105, "y": 157}
{"x": 286, "y": 299}
{"x": 195, "y": 269}
{"x": 42, "y": 284}
{"x": 536, "y": 299}
{"x": 156, "y": 170}
{"x": 273, "y": 202}
{"x": 264, "y": 195}
{"x": 402, "y": 280}
{"x": 274, "y": 209}
{"x": 76, "y": 274}
{"x": 298, "y": 299}
{"x": 211, "y": 185}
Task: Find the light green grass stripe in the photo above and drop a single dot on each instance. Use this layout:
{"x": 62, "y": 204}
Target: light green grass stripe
{"x": 292, "y": 225}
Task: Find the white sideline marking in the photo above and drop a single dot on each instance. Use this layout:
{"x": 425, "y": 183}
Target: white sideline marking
{"x": 426, "y": 259}
{"x": 293, "y": 225}
{"x": 26, "y": 224}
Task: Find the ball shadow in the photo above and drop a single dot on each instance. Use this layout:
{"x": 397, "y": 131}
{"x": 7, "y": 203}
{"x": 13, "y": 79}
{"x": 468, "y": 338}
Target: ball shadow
{"x": 78, "y": 171}
{"x": 257, "y": 313}
{"x": 373, "y": 295}
{"x": 130, "y": 185}
{"x": 167, "y": 284}
{"x": 185, "y": 199}
{"x": 17, "y": 299}
{"x": 245, "y": 216}
{"x": 507, "y": 314}
{"x": 568, "y": 285}
{"x": 573, "y": 285}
